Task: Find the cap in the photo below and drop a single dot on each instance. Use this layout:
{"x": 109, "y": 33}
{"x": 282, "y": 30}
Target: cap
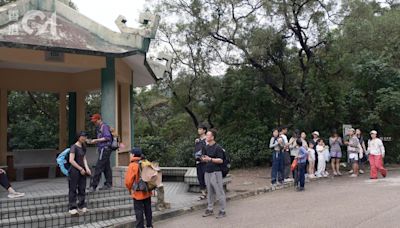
{"x": 136, "y": 151}
{"x": 95, "y": 117}
{"x": 373, "y": 132}
{"x": 315, "y": 133}
{"x": 83, "y": 133}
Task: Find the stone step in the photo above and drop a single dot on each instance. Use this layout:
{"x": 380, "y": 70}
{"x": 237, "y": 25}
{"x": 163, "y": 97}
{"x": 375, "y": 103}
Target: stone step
{"x": 42, "y": 209}
{"x": 59, "y": 198}
{"x": 67, "y": 220}
{"x": 122, "y": 222}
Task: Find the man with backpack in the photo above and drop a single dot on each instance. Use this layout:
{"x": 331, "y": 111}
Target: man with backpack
{"x": 103, "y": 142}
{"x": 141, "y": 197}
{"x": 214, "y": 157}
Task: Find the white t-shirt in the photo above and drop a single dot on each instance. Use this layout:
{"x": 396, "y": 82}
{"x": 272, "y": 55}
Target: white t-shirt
{"x": 311, "y": 154}
{"x": 375, "y": 147}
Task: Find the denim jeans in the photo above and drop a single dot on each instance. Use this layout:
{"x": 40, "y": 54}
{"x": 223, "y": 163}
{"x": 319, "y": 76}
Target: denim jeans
{"x": 277, "y": 167}
{"x": 301, "y": 170}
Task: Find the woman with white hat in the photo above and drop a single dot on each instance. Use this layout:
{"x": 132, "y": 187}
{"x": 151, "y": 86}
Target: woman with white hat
{"x": 376, "y": 152}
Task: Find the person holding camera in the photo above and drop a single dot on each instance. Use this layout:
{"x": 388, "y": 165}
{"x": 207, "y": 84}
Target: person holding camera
{"x": 77, "y": 175}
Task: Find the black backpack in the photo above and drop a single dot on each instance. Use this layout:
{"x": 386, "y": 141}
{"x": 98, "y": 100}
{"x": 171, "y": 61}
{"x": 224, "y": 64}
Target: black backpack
{"x": 226, "y": 165}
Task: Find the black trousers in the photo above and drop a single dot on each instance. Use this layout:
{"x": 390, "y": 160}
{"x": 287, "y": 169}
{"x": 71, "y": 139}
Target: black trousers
{"x": 77, "y": 186}
{"x": 103, "y": 166}
{"x": 143, "y": 207}
{"x": 4, "y": 181}
{"x": 201, "y": 169}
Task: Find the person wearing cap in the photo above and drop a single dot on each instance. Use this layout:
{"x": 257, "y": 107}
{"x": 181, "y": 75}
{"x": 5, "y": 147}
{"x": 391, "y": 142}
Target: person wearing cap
{"x": 141, "y": 199}
{"x": 376, "y": 152}
{"x": 353, "y": 147}
{"x": 103, "y": 143}
{"x": 200, "y": 143}
{"x": 77, "y": 175}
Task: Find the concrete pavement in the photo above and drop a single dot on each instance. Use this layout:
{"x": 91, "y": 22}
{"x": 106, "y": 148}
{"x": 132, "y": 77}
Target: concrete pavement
{"x": 332, "y": 202}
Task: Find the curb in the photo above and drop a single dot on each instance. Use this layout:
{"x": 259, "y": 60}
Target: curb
{"x": 171, "y": 213}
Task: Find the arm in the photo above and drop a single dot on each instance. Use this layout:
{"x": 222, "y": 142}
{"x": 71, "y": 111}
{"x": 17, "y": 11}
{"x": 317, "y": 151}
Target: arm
{"x": 106, "y": 133}
{"x": 292, "y": 143}
{"x": 73, "y": 162}
{"x": 130, "y": 176}
{"x": 273, "y": 143}
{"x": 381, "y": 148}
{"x": 340, "y": 141}
{"x": 353, "y": 143}
{"x": 86, "y": 166}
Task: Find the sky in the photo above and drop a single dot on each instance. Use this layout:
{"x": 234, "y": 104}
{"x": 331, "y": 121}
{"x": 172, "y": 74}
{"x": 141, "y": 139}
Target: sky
{"x": 105, "y": 12}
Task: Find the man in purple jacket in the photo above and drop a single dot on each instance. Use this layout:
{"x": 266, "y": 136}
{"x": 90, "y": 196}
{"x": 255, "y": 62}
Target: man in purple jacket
{"x": 103, "y": 143}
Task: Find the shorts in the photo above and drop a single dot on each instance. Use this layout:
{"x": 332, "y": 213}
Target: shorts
{"x": 336, "y": 154}
{"x": 353, "y": 157}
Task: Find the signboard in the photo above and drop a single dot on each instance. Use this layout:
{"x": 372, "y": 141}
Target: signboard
{"x": 346, "y": 128}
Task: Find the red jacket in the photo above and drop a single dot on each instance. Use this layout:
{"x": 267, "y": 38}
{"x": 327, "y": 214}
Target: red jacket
{"x": 132, "y": 176}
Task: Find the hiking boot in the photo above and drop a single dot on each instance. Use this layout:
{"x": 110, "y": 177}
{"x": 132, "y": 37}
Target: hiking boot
{"x": 15, "y": 195}
{"x": 82, "y": 210}
{"x": 221, "y": 214}
{"x": 73, "y": 212}
{"x": 105, "y": 187}
{"x": 208, "y": 213}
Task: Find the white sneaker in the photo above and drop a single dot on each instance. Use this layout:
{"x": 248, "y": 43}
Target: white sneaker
{"x": 353, "y": 175}
{"x": 73, "y": 212}
{"x": 335, "y": 173}
{"x": 83, "y": 210}
{"x": 361, "y": 171}
{"x": 16, "y": 195}
{"x": 339, "y": 173}
{"x": 312, "y": 176}
{"x": 351, "y": 171}
{"x": 318, "y": 175}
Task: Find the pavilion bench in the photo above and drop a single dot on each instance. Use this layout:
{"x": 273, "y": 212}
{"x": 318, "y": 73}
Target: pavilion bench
{"x": 189, "y": 176}
{"x": 24, "y": 159}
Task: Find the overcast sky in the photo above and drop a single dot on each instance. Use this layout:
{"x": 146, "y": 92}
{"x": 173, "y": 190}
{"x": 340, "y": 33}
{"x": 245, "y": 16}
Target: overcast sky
{"x": 105, "y": 12}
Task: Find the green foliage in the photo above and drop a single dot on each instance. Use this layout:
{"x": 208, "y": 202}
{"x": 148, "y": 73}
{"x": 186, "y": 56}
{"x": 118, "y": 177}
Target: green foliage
{"x": 32, "y": 120}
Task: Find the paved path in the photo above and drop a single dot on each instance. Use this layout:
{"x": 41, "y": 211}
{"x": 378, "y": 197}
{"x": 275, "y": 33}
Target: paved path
{"x": 334, "y": 202}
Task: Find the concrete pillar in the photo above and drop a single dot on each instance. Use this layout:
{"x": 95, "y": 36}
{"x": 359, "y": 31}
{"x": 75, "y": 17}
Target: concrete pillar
{"x": 80, "y": 111}
{"x": 3, "y": 127}
{"x": 109, "y": 97}
{"x": 62, "y": 141}
{"x": 125, "y": 115}
{"x": 71, "y": 117}
{"x": 132, "y": 112}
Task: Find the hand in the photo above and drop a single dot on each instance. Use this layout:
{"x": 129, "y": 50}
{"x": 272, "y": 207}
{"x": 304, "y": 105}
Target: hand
{"x": 88, "y": 172}
{"x": 205, "y": 158}
{"x": 83, "y": 172}
{"x": 89, "y": 141}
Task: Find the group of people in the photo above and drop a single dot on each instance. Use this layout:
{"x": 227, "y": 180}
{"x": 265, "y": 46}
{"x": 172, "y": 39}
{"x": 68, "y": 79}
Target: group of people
{"x": 309, "y": 158}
